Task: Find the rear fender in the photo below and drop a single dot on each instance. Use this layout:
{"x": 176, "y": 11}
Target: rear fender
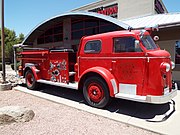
{"x": 106, "y": 75}
{"x": 32, "y": 67}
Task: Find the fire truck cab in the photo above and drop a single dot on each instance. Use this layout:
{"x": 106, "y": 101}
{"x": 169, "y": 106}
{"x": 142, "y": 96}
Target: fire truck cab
{"x": 121, "y": 64}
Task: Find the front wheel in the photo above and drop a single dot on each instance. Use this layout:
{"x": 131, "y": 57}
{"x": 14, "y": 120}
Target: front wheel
{"x": 96, "y": 92}
{"x": 30, "y": 80}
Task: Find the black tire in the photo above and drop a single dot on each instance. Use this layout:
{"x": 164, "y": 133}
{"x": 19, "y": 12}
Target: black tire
{"x": 96, "y": 92}
{"x": 30, "y": 80}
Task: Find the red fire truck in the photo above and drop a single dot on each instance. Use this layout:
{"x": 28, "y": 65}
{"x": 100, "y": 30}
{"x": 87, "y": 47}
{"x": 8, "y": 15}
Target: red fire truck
{"x": 121, "y": 64}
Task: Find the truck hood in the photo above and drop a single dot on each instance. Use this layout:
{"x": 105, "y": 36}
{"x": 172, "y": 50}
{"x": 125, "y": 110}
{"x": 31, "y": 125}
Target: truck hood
{"x": 159, "y": 53}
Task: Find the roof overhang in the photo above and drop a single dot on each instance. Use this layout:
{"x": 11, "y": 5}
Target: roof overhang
{"x": 162, "y": 20}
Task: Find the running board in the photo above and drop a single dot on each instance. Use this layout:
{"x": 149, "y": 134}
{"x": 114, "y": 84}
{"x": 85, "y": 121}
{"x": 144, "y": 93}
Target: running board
{"x": 70, "y": 85}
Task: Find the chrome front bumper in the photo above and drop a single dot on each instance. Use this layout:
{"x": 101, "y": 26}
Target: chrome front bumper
{"x": 149, "y": 98}
{"x": 161, "y": 99}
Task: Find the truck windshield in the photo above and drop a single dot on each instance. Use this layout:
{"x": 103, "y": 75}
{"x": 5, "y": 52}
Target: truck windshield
{"x": 148, "y": 43}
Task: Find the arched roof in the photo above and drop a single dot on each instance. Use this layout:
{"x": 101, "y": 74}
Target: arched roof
{"x": 33, "y": 34}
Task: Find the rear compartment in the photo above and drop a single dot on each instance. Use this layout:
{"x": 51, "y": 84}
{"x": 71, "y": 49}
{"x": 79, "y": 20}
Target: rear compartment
{"x": 53, "y": 65}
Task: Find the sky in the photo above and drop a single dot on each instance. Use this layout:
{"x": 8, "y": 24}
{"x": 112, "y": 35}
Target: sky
{"x": 24, "y": 15}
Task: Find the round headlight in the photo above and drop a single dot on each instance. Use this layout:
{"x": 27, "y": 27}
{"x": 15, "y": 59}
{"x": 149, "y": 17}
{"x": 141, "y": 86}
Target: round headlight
{"x": 172, "y": 65}
{"x": 165, "y": 67}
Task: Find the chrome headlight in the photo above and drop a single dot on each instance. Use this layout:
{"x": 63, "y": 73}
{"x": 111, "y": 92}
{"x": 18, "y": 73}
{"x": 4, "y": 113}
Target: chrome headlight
{"x": 165, "y": 67}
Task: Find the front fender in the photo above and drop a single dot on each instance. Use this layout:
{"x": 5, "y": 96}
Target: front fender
{"x": 106, "y": 75}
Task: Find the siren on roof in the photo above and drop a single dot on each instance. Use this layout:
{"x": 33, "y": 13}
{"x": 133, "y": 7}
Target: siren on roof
{"x": 152, "y": 28}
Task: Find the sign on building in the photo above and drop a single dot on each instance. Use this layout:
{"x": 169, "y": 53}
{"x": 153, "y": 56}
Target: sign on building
{"x": 111, "y": 10}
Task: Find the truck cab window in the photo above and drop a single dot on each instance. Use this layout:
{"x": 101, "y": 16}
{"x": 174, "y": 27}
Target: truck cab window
{"x": 93, "y": 46}
{"x": 126, "y": 44}
{"x": 148, "y": 43}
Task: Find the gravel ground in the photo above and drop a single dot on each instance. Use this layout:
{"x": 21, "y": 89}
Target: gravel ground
{"x": 53, "y": 119}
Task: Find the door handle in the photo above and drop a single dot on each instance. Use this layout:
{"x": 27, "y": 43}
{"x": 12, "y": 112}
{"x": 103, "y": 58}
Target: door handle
{"x": 112, "y": 65}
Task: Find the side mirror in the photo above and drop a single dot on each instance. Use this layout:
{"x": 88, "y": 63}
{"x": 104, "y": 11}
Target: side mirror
{"x": 137, "y": 47}
{"x": 136, "y": 43}
{"x": 156, "y": 38}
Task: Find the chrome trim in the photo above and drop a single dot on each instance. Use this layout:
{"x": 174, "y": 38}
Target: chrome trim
{"x": 161, "y": 99}
{"x": 78, "y": 66}
{"x": 131, "y": 97}
{"x": 123, "y": 57}
{"x": 29, "y": 65}
{"x": 128, "y": 88}
{"x": 37, "y": 71}
{"x": 113, "y": 82}
{"x": 70, "y": 85}
{"x": 149, "y": 98}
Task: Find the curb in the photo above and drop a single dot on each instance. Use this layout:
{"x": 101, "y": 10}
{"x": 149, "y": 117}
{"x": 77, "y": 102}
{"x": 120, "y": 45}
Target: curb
{"x": 5, "y": 86}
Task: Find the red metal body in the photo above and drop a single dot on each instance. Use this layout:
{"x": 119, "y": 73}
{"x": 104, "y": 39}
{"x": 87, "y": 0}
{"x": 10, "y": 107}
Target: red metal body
{"x": 142, "y": 75}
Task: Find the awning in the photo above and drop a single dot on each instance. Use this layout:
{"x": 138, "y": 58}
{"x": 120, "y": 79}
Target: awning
{"x": 163, "y": 20}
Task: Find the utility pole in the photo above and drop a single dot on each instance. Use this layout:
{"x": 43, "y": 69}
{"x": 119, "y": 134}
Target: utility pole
{"x": 2, "y": 42}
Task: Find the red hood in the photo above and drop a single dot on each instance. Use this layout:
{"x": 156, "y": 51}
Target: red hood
{"x": 159, "y": 53}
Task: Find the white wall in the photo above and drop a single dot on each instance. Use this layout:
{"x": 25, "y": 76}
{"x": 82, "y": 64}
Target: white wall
{"x": 135, "y": 8}
{"x": 170, "y": 47}
{"x": 126, "y": 8}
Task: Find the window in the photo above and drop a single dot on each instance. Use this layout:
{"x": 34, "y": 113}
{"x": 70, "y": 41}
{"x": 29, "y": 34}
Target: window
{"x": 58, "y": 37}
{"x": 93, "y": 47}
{"x": 77, "y": 34}
{"x": 177, "y": 57}
{"x": 58, "y": 29}
{"x": 149, "y": 43}
{"x": 108, "y": 28}
{"x": 40, "y": 40}
{"x": 53, "y": 34}
{"x": 91, "y": 23}
{"x": 126, "y": 44}
{"x": 77, "y": 25}
{"x": 90, "y": 26}
{"x": 91, "y": 31}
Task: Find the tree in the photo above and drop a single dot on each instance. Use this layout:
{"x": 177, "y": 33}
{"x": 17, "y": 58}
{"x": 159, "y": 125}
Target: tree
{"x": 10, "y": 40}
{"x": 20, "y": 38}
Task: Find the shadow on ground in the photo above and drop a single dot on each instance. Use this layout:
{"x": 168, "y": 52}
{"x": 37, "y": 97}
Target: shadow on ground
{"x": 125, "y": 107}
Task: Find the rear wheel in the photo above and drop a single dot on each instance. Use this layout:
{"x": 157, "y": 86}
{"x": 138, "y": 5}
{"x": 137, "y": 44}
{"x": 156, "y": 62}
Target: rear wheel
{"x": 30, "y": 80}
{"x": 96, "y": 92}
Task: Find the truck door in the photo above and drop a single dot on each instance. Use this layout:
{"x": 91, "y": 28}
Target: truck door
{"x": 128, "y": 65}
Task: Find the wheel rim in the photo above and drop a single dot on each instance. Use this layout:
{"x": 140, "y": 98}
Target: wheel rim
{"x": 95, "y": 92}
{"x": 29, "y": 79}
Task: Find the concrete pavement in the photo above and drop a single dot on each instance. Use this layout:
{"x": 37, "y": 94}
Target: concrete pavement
{"x": 133, "y": 113}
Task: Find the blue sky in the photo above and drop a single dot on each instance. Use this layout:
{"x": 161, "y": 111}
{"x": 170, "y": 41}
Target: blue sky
{"x": 23, "y": 15}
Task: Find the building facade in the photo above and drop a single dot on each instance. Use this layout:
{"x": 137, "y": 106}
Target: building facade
{"x": 125, "y": 9}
